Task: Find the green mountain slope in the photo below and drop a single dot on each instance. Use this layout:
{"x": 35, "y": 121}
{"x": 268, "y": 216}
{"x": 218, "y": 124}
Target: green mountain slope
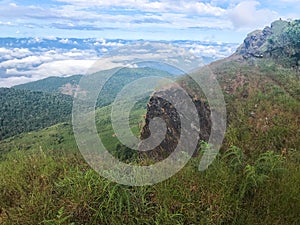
{"x": 263, "y": 105}
{"x": 50, "y": 183}
{"x": 27, "y": 109}
{"x": 261, "y": 85}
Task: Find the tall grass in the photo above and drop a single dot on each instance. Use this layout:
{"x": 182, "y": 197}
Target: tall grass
{"x": 40, "y": 188}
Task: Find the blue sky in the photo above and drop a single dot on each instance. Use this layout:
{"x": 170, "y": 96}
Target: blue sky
{"x": 209, "y": 20}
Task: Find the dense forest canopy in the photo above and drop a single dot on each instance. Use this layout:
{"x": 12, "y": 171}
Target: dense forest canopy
{"x": 23, "y": 111}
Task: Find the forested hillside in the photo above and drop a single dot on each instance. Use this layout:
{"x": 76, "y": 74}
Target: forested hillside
{"x": 23, "y": 111}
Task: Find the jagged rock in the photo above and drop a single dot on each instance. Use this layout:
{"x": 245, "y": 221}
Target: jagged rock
{"x": 159, "y": 107}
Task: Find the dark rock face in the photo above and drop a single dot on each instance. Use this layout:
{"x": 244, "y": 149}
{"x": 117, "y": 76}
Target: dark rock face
{"x": 159, "y": 107}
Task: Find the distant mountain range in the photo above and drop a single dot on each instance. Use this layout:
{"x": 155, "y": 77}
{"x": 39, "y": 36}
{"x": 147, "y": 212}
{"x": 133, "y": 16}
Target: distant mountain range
{"x": 64, "y": 85}
{"x": 102, "y": 45}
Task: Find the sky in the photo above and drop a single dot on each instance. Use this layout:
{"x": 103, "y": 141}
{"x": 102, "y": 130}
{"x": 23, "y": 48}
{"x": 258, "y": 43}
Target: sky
{"x": 208, "y": 20}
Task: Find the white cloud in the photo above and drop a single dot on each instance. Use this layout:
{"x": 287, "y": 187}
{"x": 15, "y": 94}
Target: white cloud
{"x": 11, "y": 81}
{"x": 13, "y": 4}
{"x": 55, "y": 68}
{"x": 111, "y": 44}
{"x": 290, "y": 1}
{"x": 200, "y": 8}
{"x": 27, "y": 60}
{"x": 217, "y": 51}
{"x": 247, "y": 15}
{"x": 22, "y": 65}
{"x": 64, "y": 41}
{"x": 14, "y": 53}
{"x": 96, "y": 14}
{"x": 123, "y": 16}
{"x": 63, "y": 68}
{"x": 24, "y": 62}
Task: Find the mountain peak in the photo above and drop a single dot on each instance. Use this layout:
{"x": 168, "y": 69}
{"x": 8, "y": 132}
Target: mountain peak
{"x": 280, "y": 42}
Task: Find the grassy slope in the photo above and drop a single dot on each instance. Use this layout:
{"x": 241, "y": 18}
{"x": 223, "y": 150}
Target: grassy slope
{"x": 59, "y": 138}
{"x": 264, "y": 106}
{"x": 41, "y": 187}
{"x": 253, "y": 183}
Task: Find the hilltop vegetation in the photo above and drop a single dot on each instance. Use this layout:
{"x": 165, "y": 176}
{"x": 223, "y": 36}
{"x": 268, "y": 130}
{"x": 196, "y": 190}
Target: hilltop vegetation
{"x": 254, "y": 180}
{"x": 69, "y": 85}
{"x": 51, "y": 84}
{"x": 263, "y": 109}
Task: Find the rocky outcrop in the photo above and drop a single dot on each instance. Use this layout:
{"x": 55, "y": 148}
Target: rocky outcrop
{"x": 258, "y": 43}
{"x": 159, "y": 107}
{"x": 253, "y": 44}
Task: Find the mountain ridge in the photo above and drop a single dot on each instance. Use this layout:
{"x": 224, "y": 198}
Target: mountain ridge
{"x": 246, "y": 75}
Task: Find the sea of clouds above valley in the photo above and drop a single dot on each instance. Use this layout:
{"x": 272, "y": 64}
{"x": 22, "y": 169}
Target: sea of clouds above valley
{"x": 30, "y": 59}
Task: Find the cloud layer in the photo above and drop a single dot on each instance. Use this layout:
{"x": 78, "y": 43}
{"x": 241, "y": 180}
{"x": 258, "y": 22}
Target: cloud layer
{"x": 24, "y": 60}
